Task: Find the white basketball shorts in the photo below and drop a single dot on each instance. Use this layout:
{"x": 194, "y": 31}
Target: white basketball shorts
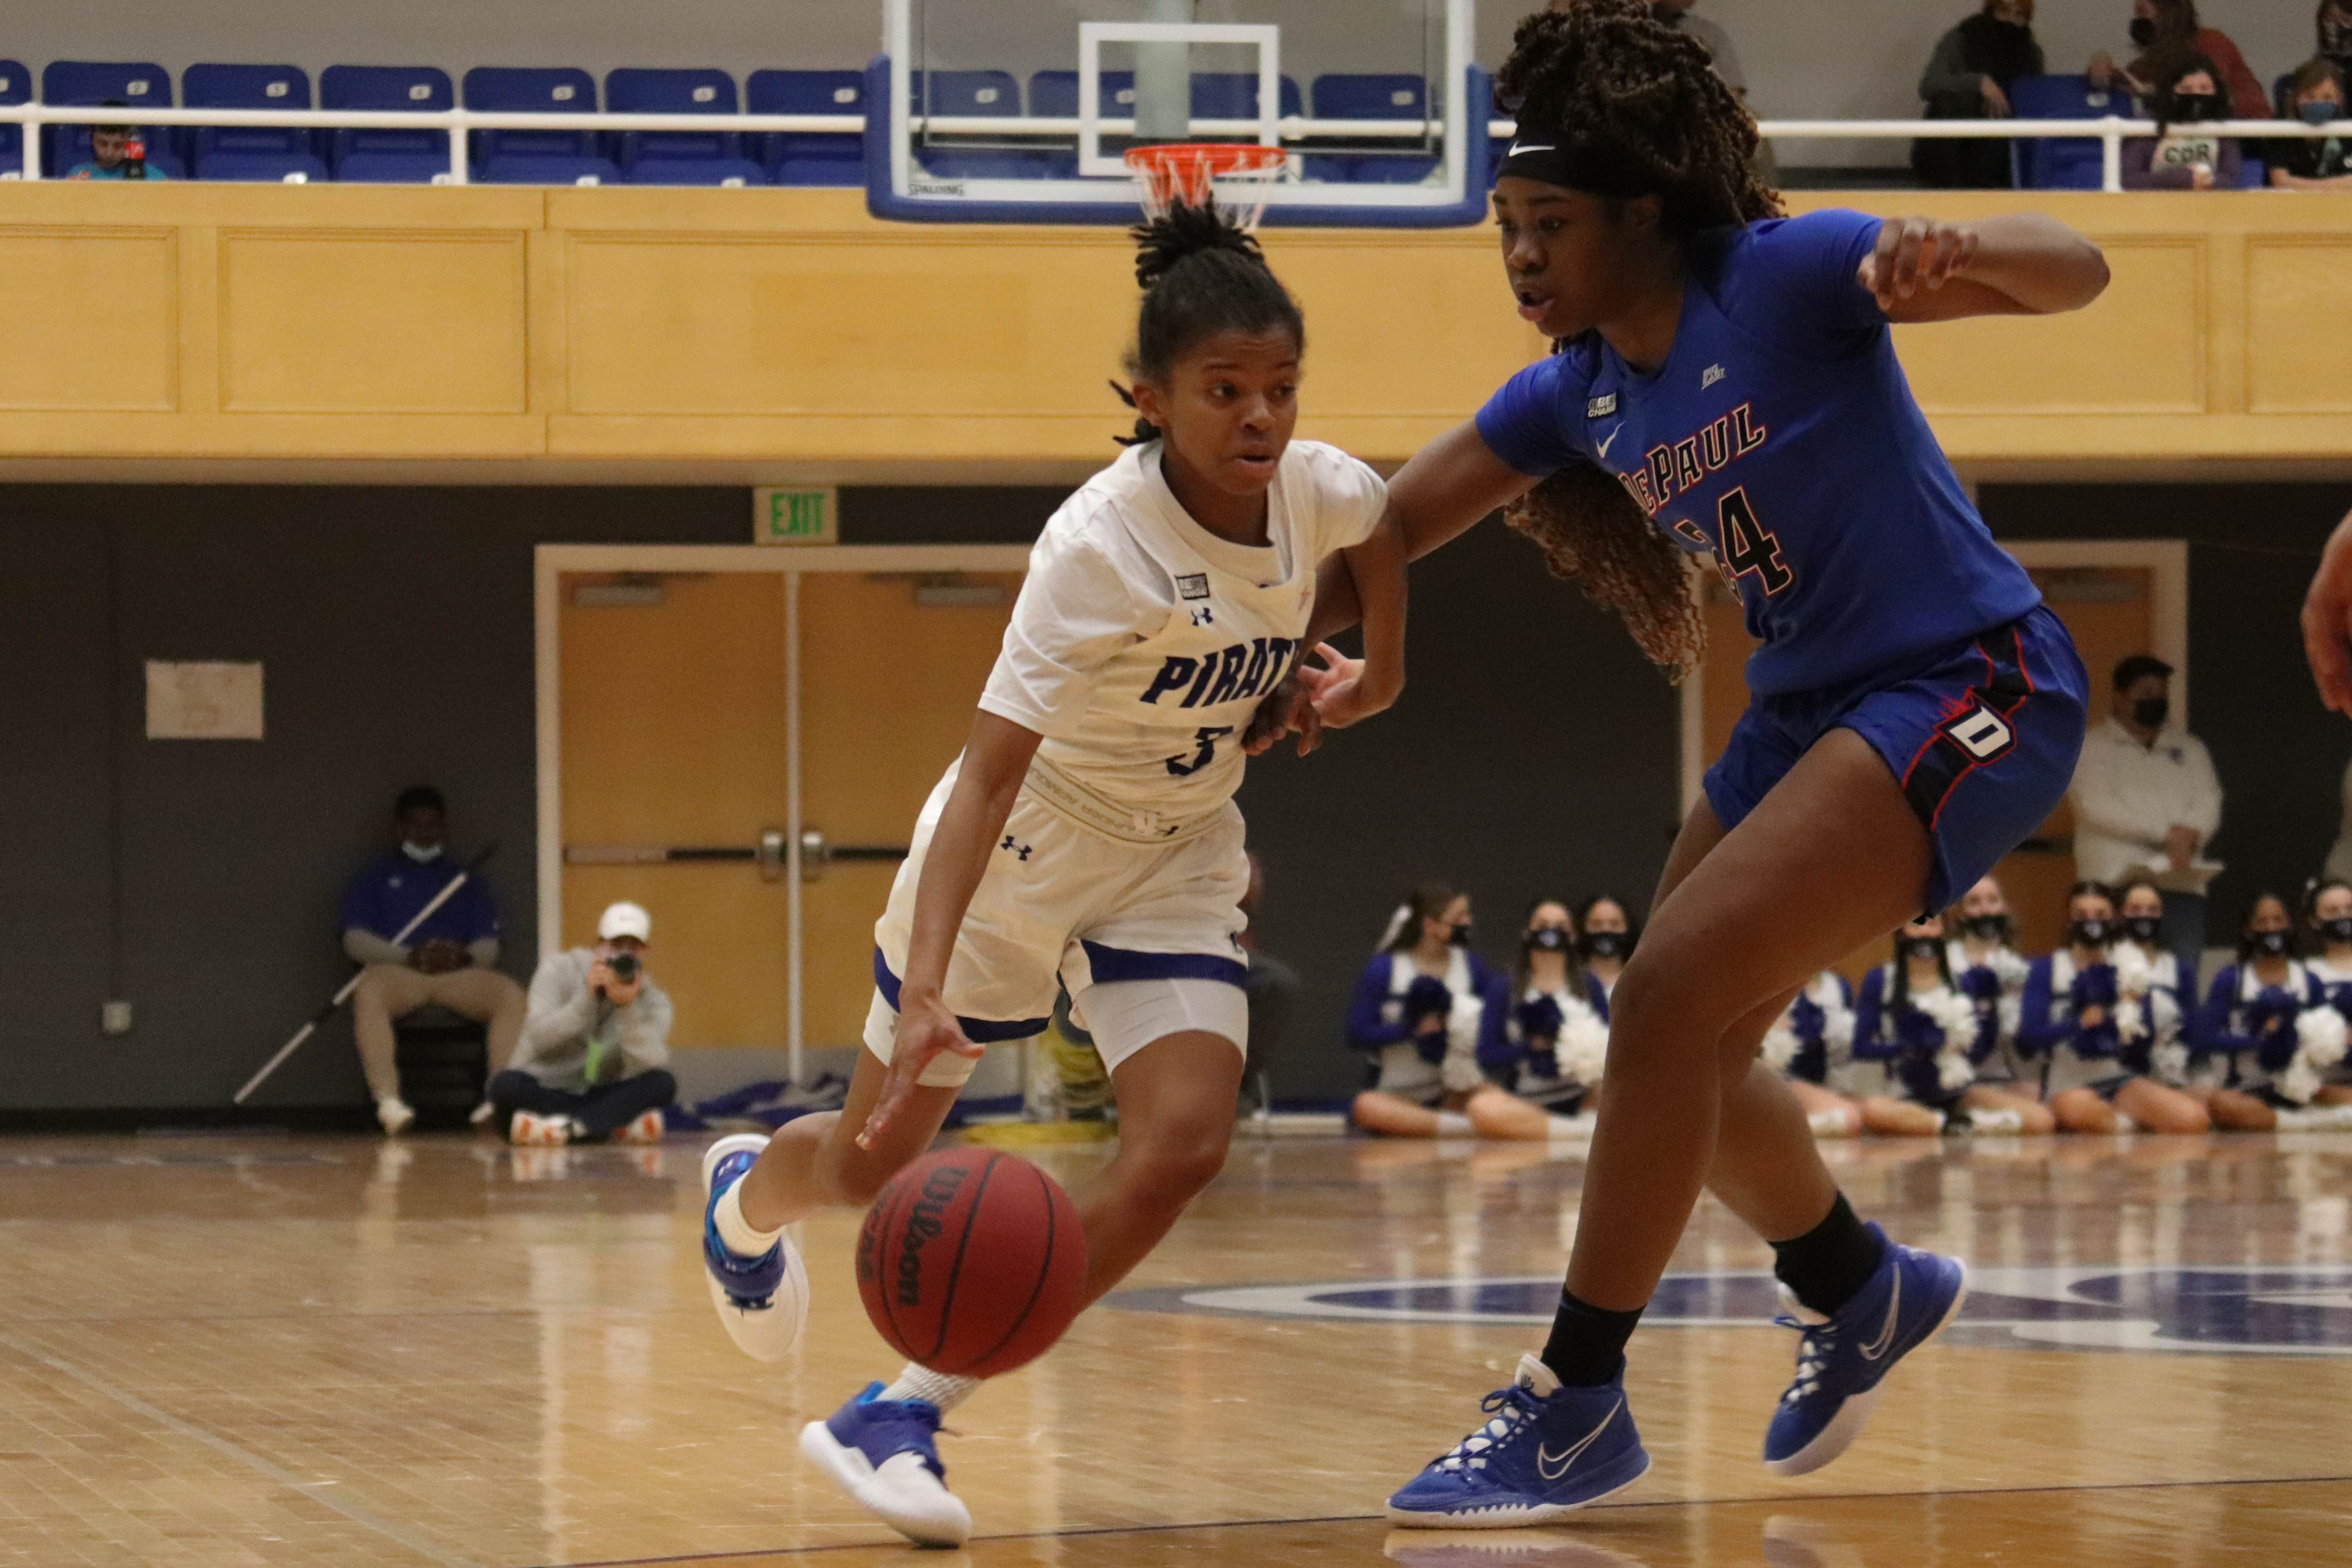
{"x": 1146, "y": 937}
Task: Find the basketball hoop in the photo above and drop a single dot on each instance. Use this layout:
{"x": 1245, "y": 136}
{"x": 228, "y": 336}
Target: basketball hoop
{"x": 1240, "y": 175}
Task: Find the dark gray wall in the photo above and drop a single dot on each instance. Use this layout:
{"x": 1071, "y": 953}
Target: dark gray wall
{"x": 2252, "y": 548}
{"x": 1534, "y": 752}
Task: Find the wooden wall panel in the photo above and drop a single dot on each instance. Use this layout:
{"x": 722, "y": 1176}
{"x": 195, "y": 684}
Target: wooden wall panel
{"x": 2140, "y": 348}
{"x": 2299, "y": 324}
{"x": 359, "y": 321}
{"x": 93, "y": 319}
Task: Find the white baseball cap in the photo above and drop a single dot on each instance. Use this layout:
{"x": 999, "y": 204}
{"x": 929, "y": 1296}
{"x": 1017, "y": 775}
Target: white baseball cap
{"x": 625, "y": 919}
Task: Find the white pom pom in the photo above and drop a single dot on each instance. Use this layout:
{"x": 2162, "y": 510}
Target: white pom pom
{"x": 2170, "y": 1061}
{"x": 2009, "y": 1010}
{"x": 1953, "y": 1013}
{"x": 2010, "y": 968}
{"x": 1779, "y": 1049}
{"x": 1954, "y": 1070}
{"x": 2131, "y": 1026}
{"x": 2134, "y": 972}
{"x": 1837, "y": 1026}
{"x": 2300, "y": 1081}
{"x": 1582, "y": 1048}
{"x": 2321, "y": 1036}
{"x": 2164, "y": 1007}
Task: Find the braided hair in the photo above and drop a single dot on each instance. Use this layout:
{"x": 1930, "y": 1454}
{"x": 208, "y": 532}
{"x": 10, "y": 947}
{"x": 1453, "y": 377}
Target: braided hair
{"x": 1606, "y": 79}
{"x": 1201, "y": 275}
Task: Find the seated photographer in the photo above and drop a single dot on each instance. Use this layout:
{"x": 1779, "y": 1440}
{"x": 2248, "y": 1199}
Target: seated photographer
{"x": 594, "y": 1059}
{"x": 447, "y": 961}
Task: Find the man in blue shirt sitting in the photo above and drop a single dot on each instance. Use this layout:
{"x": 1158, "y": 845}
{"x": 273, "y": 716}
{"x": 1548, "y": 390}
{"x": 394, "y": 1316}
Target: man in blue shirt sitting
{"x": 448, "y": 961}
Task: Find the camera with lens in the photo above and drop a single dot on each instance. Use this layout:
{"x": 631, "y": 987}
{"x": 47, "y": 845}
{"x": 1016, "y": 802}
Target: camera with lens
{"x": 624, "y": 967}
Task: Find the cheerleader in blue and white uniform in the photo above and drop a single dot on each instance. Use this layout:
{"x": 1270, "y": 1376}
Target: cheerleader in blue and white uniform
{"x": 1926, "y": 1029}
{"x": 1558, "y": 1040}
{"x": 2252, "y": 1059}
{"x": 2085, "y": 1019}
{"x": 2327, "y": 916}
{"x": 1991, "y": 973}
{"x": 1810, "y": 1046}
{"x": 1431, "y": 1014}
{"x": 2154, "y": 1039}
{"x": 1605, "y": 939}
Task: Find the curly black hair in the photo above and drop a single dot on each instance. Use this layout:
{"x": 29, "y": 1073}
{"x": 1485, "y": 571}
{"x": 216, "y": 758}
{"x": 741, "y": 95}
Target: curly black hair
{"x": 1607, "y": 82}
{"x": 1201, "y": 274}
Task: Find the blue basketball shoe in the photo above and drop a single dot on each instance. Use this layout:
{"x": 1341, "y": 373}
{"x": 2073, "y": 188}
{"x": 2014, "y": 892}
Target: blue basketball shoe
{"x": 1845, "y": 1356}
{"x": 763, "y": 1300}
{"x": 881, "y": 1452}
{"x": 1545, "y": 1452}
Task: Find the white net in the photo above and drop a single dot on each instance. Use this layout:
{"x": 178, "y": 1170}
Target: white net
{"x": 1239, "y": 175}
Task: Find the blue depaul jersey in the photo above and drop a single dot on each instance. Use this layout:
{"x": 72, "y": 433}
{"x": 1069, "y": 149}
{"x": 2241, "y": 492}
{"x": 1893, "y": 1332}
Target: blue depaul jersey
{"x": 1780, "y": 434}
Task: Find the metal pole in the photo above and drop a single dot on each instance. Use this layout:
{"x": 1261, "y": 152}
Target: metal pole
{"x": 795, "y": 964}
{"x": 1163, "y": 80}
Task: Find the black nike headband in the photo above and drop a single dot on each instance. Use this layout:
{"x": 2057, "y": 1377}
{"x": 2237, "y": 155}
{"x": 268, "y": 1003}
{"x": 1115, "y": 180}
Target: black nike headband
{"x": 1572, "y": 168}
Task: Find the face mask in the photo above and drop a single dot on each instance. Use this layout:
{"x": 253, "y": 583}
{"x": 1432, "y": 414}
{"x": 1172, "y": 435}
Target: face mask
{"x": 2143, "y": 30}
{"x": 1927, "y": 947}
{"x": 2149, "y": 713}
{"x": 1461, "y": 937}
{"x": 1548, "y": 939}
{"x": 2089, "y": 934}
{"x": 2196, "y": 106}
{"x": 2142, "y": 928}
{"x": 423, "y": 854}
{"x": 1987, "y": 928}
{"x": 2270, "y": 943}
{"x": 2338, "y": 930}
{"x": 1602, "y": 944}
{"x": 2317, "y": 112}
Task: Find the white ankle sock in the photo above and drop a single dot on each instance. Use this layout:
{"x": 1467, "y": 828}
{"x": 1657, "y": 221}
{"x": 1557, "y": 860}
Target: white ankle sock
{"x": 939, "y": 1388}
{"x": 1454, "y": 1124}
{"x": 736, "y": 1233}
{"x": 1830, "y": 1124}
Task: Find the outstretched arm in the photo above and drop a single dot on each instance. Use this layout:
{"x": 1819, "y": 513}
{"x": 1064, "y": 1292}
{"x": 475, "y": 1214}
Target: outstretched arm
{"x": 995, "y": 760}
{"x": 2327, "y": 621}
{"x": 2012, "y": 264}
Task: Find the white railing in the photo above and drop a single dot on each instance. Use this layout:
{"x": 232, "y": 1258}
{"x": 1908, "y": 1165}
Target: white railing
{"x": 2110, "y": 132}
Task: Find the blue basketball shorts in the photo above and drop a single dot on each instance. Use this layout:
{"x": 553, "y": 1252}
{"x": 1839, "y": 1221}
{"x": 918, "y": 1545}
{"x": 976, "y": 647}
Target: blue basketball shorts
{"x": 1983, "y": 738}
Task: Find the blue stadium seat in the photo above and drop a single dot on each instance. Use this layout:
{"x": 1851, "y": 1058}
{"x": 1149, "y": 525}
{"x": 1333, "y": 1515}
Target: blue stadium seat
{"x": 16, "y": 86}
{"x": 82, "y": 82}
{"x": 1232, "y": 95}
{"x": 1054, "y": 95}
{"x": 680, "y": 157}
{"x": 536, "y": 157}
{"x": 387, "y": 156}
{"x": 2060, "y": 164}
{"x": 975, "y": 94}
{"x": 814, "y": 158}
{"x": 251, "y": 152}
{"x": 1373, "y": 97}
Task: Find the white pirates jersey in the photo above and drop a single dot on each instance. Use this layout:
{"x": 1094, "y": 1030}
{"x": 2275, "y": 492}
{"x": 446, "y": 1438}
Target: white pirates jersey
{"x": 1142, "y": 643}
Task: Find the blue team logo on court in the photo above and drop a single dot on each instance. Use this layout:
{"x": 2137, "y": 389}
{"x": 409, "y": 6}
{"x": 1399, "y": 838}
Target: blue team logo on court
{"x": 2238, "y": 1311}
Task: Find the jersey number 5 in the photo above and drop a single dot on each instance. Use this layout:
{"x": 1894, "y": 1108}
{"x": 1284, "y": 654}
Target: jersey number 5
{"x": 1208, "y": 739}
{"x": 1749, "y": 545}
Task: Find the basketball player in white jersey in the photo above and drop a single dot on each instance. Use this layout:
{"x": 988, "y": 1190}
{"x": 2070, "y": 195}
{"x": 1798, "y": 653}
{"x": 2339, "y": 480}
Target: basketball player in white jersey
{"x": 1088, "y": 834}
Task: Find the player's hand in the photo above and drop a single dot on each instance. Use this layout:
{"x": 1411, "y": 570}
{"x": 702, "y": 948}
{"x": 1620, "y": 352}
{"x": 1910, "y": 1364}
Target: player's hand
{"x": 1289, "y": 710}
{"x": 1344, "y": 696}
{"x": 1913, "y": 254}
{"x": 925, "y": 1029}
{"x": 2327, "y": 622}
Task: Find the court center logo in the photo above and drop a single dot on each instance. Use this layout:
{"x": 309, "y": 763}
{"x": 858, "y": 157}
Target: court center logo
{"x": 2294, "y": 1311}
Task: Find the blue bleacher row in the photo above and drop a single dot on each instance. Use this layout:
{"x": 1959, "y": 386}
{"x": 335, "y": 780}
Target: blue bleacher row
{"x": 637, "y": 157}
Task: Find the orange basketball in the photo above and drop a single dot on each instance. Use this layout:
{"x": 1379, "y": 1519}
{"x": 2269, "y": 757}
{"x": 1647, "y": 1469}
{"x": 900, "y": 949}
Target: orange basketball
{"x": 971, "y": 1262}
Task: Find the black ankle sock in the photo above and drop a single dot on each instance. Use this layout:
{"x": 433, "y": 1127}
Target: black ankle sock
{"x": 1588, "y": 1342}
{"x": 1829, "y": 1263}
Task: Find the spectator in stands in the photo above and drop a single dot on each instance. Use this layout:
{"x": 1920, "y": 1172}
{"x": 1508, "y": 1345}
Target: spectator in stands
{"x": 116, "y": 153}
{"x": 2335, "y": 40}
{"x": 2182, "y": 156}
{"x": 2165, "y": 30}
{"x": 2147, "y": 802}
{"x": 448, "y": 961}
{"x": 595, "y": 1058}
{"x": 1272, "y": 989}
{"x": 1968, "y": 78}
{"x": 2315, "y": 95}
{"x": 1430, "y": 1012}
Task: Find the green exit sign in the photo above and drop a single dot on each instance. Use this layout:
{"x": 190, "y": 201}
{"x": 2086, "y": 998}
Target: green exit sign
{"x": 780, "y": 516}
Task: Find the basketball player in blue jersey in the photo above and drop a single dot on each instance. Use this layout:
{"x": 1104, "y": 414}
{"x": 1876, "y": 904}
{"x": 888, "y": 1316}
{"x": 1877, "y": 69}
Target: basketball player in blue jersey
{"x": 1726, "y": 382}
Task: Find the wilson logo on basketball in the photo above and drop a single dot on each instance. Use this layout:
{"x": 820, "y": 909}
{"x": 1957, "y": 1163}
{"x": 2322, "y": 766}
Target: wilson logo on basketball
{"x": 924, "y": 1221}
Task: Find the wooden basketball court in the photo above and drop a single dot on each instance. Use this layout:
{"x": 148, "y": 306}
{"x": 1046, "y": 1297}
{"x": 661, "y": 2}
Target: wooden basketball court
{"x": 262, "y": 1350}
